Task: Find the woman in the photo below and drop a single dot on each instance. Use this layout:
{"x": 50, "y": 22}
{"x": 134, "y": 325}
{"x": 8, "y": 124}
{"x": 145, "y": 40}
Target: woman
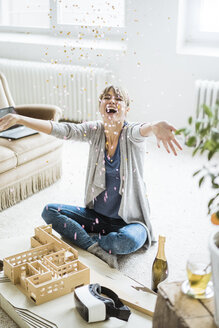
{"x": 115, "y": 194}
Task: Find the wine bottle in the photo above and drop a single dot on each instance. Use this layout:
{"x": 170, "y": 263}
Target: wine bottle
{"x": 160, "y": 265}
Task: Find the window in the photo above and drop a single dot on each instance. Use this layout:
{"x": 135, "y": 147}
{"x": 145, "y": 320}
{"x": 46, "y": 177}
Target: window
{"x": 209, "y": 12}
{"x": 24, "y": 13}
{"x": 91, "y": 13}
{"x": 198, "y": 27}
{"x": 48, "y": 16}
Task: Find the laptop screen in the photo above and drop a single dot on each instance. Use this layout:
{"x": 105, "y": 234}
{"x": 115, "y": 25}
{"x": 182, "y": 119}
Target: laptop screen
{"x": 7, "y": 110}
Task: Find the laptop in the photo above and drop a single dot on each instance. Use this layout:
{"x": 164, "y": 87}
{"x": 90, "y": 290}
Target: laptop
{"x": 16, "y": 131}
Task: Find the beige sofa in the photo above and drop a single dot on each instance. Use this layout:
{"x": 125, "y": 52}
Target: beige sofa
{"x": 29, "y": 164}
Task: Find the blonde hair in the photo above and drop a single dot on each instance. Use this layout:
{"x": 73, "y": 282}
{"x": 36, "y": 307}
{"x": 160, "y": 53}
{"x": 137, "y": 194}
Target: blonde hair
{"x": 117, "y": 91}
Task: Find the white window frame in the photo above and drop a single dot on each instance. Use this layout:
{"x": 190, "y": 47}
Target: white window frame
{"x": 190, "y": 40}
{"x": 111, "y": 33}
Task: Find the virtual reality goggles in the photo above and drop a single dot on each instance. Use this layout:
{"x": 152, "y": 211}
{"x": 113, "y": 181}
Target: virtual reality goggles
{"x": 94, "y": 307}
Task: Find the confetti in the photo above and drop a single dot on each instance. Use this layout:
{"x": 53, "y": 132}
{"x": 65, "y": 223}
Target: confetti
{"x": 78, "y": 208}
{"x": 82, "y": 226}
{"x": 110, "y": 251}
{"x": 97, "y": 220}
{"x": 75, "y": 235}
{"x": 47, "y": 207}
{"x": 59, "y": 209}
{"x": 99, "y": 236}
{"x": 64, "y": 225}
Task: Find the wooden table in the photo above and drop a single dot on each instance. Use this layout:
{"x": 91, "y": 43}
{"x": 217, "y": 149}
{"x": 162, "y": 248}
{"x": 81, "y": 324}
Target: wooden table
{"x": 176, "y": 310}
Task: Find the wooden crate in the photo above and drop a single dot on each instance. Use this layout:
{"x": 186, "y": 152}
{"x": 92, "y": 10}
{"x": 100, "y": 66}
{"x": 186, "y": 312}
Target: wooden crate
{"x": 176, "y": 310}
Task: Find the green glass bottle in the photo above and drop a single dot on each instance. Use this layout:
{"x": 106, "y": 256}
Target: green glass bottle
{"x": 160, "y": 266}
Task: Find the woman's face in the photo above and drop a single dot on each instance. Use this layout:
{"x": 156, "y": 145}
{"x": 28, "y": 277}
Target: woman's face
{"x": 113, "y": 108}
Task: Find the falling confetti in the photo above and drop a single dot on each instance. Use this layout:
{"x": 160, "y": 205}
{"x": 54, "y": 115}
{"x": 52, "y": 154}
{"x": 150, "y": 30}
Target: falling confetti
{"x": 110, "y": 251}
{"x": 75, "y": 235}
{"x": 105, "y": 196}
{"x": 97, "y": 221}
{"x": 64, "y": 225}
{"x": 82, "y": 226}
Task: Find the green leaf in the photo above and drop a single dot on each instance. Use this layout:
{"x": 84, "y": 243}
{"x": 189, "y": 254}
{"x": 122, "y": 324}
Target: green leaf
{"x": 195, "y": 151}
{"x": 203, "y": 132}
{"x": 179, "y": 131}
{"x": 201, "y": 181}
{"x": 210, "y": 202}
{"x": 191, "y": 142}
{"x": 197, "y": 172}
{"x": 210, "y": 154}
{"x": 197, "y": 126}
{"x": 207, "y": 111}
{"x": 190, "y": 120}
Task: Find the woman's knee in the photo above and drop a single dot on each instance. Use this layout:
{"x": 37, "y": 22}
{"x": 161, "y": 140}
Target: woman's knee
{"x": 131, "y": 239}
{"x": 48, "y": 213}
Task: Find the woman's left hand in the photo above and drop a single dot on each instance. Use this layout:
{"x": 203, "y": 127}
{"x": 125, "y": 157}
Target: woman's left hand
{"x": 163, "y": 131}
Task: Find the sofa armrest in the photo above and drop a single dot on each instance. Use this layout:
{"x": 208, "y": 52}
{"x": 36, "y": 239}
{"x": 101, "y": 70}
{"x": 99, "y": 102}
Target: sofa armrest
{"x": 44, "y": 112}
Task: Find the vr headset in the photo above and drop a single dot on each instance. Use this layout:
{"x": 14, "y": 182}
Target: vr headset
{"x": 94, "y": 307}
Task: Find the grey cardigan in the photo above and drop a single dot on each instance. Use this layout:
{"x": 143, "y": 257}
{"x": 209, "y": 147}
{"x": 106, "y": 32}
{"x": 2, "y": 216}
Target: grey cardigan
{"x": 134, "y": 205}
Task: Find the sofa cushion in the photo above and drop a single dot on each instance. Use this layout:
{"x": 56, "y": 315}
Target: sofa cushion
{"x": 31, "y": 147}
{"x": 8, "y": 159}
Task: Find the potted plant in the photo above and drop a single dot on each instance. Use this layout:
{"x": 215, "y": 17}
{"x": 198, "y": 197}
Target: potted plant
{"x": 202, "y": 134}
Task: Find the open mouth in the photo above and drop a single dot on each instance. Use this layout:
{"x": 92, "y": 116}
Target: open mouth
{"x": 111, "y": 110}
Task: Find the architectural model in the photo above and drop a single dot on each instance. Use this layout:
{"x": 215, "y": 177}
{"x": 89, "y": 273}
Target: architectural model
{"x": 49, "y": 270}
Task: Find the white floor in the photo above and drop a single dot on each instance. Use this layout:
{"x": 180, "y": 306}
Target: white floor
{"x": 178, "y": 208}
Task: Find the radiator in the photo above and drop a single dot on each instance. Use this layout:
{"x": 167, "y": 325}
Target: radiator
{"x": 206, "y": 92}
{"x": 75, "y": 89}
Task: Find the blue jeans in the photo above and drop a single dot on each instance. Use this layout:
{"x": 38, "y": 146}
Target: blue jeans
{"x": 114, "y": 235}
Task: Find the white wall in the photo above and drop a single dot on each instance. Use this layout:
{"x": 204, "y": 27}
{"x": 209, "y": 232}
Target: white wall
{"x": 162, "y": 85}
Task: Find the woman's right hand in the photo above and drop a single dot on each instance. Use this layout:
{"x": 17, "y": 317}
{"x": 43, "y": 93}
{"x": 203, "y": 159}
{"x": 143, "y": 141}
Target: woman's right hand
{"x": 8, "y": 120}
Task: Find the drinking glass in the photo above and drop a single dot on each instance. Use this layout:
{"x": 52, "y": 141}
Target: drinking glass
{"x": 199, "y": 284}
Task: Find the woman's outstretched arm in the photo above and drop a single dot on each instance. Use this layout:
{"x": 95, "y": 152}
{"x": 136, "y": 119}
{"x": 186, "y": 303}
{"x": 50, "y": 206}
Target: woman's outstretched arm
{"x": 11, "y": 119}
{"x": 163, "y": 132}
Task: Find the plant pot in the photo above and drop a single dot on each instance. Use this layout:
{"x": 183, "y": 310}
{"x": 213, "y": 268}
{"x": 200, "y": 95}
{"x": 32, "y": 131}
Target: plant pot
{"x": 214, "y": 251}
